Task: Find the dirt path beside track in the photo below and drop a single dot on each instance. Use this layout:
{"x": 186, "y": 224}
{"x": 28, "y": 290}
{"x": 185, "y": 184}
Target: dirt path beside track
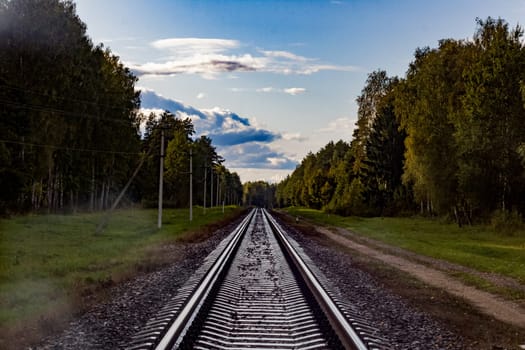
{"x": 503, "y": 310}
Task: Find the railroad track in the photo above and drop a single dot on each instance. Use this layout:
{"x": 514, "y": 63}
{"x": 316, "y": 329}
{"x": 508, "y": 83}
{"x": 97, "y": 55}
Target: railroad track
{"x": 257, "y": 290}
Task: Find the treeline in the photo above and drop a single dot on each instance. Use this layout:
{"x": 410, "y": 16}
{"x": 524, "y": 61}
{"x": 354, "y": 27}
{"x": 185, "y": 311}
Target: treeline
{"x": 259, "y": 194}
{"x": 447, "y": 139}
{"x": 212, "y": 183}
{"x": 69, "y": 121}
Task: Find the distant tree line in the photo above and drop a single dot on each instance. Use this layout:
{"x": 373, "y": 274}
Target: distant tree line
{"x": 447, "y": 139}
{"x": 259, "y": 194}
{"x": 69, "y": 122}
{"x": 212, "y": 183}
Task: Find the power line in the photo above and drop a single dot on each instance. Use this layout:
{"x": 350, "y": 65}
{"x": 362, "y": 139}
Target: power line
{"x": 37, "y": 108}
{"x": 68, "y": 99}
{"x": 74, "y": 149}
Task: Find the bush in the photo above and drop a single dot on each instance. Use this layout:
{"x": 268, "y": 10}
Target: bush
{"x": 507, "y": 222}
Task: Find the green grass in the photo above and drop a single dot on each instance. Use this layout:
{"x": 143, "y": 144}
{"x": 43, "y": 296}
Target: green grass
{"x": 46, "y": 261}
{"x": 478, "y": 247}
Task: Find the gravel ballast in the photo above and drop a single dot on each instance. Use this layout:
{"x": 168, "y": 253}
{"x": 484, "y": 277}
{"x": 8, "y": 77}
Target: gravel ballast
{"x": 111, "y": 324}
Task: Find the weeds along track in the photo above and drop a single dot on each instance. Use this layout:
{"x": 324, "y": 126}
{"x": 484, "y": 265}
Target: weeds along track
{"x": 257, "y": 290}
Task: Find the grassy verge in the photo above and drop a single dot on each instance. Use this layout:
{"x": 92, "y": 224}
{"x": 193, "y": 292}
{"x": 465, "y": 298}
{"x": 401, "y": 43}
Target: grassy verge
{"x": 49, "y": 263}
{"x": 477, "y": 247}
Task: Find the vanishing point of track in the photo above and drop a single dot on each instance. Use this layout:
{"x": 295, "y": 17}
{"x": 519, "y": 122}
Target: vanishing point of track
{"x": 257, "y": 290}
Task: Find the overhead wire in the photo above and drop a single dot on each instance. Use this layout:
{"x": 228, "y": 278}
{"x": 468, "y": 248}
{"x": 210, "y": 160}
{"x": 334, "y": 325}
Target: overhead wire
{"x": 40, "y": 93}
{"x": 39, "y": 108}
{"x": 75, "y": 149}
{"x": 54, "y": 112}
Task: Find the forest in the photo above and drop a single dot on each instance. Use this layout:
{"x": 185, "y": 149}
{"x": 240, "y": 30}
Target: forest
{"x": 447, "y": 139}
{"x": 70, "y": 124}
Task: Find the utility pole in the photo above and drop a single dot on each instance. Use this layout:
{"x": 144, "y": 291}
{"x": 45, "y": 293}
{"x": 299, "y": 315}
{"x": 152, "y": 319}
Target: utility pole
{"x": 159, "y": 221}
{"x": 205, "y": 172}
{"x": 218, "y": 191}
{"x": 211, "y": 190}
{"x": 191, "y": 185}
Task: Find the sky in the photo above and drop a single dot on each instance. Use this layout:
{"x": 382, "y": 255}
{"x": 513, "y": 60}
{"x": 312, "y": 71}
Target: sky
{"x": 269, "y": 81}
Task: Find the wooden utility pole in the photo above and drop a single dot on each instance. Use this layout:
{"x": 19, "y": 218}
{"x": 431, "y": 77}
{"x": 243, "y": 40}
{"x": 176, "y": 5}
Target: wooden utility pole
{"x": 205, "y": 172}
{"x": 191, "y": 185}
{"x": 218, "y": 191}
{"x": 159, "y": 221}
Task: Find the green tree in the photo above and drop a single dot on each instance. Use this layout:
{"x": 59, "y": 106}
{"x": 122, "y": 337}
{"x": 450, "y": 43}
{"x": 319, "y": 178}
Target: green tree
{"x": 205, "y": 159}
{"x": 384, "y": 161}
{"x": 177, "y": 162}
{"x": 259, "y": 194}
{"x": 492, "y": 127}
{"x": 61, "y": 97}
{"x": 427, "y": 102}
{"x": 375, "y": 88}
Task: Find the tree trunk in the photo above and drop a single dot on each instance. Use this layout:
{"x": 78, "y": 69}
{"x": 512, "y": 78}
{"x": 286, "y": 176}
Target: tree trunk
{"x": 61, "y": 190}
{"x": 49, "y": 190}
{"x": 33, "y": 196}
{"x": 72, "y": 201}
{"x": 106, "y": 197}
{"x": 93, "y": 189}
{"x": 503, "y": 193}
{"x": 76, "y": 201}
{"x": 218, "y": 190}
{"x": 102, "y": 192}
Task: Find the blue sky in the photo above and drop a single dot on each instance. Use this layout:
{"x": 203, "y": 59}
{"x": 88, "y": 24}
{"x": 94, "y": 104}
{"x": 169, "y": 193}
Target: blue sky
{"x": 270, "y": 81}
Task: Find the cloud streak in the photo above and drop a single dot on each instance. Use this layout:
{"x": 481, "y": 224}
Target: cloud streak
{"x": 339, "y": 125}
{"x": 195, "y": 45}
{"x": 295, "y": 91}
{"x": 268, "y": 89}
{"x": 209, "y": 57}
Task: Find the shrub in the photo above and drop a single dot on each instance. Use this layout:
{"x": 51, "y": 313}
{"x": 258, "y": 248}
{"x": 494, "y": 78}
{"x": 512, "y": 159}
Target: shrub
{"x": 507, "y": 222}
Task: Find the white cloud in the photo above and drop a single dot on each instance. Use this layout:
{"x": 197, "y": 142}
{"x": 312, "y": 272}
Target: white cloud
{"x": 276, "y": 161}
{"x": 207, "y": 65}
{"x": 293, "y": 137}
{"x": 201, "y": 95}
{"x": 183, "y": 46}
{"x": 339, "y": 124}
{"x": 148, "y": 111}
{"x": 256, "y": 174}
{"x": 266, "y": 89}
{"x": 225, "y": 127}
{"x": 295, "y": 91}
{"x": 315, "y": 68}
{"x": 285, "y": 54}
{"x": 257, "y": 155}
{"x": 208, "y": 57}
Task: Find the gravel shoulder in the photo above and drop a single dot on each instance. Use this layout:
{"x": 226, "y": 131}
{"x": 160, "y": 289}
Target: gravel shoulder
{"x": 478, "y": 320}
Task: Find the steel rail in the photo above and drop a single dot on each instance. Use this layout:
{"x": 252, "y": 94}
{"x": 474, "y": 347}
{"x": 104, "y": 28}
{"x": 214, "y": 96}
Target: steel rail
{"x": 183, "y": 321}
{"x": 347, "y": 335}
